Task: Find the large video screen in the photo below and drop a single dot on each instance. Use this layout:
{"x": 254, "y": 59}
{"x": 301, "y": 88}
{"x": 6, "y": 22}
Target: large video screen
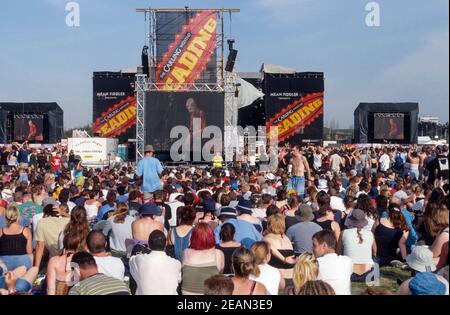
{"x": 29, "y": 128}
{"x": 389, "y": 126}
{"x": 166, "y": 110}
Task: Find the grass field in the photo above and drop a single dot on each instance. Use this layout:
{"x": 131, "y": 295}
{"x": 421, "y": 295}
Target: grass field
{"x": 388, "y": 280}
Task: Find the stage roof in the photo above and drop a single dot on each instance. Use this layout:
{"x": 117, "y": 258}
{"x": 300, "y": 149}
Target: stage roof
{"x": 382, "y": 107}
{"x": 30, "y": 107}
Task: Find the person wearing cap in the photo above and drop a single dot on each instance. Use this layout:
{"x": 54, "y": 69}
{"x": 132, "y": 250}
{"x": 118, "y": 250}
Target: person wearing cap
{"x": 246, "y": 233}
{"x": 147, "y": 223}
{"x": 149, "y": 169}
{"x": 359, "y": 244}
{"x": 301, "y": 233}
{"x": 245, "y": 213}
{"x": 425, "y": 282}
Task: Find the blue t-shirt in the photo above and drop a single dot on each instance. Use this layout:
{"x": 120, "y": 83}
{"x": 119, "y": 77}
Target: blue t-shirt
{"x": 246, "y": 233}
{"x": 150, "y": 168}
{"x": 22, "y": 157}
{"x": 412, "y": 237}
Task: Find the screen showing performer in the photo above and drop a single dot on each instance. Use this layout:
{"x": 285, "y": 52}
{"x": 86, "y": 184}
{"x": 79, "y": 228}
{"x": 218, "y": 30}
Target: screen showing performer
{"x": 389, "y": 126}
{"x": 28, "y": 129}
{"x": 193, "y": 111}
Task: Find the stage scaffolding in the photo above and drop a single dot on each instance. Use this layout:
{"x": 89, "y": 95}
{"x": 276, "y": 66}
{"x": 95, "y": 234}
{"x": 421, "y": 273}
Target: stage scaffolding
{"x": 226, "y": 81}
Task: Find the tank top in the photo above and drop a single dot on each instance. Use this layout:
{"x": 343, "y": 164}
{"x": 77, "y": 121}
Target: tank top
{"x": 359, "y": 253}
{"x": 277, "y": 263}
{"x": 13, "y": 244}
{"x": 180, "y": 243}
{"x": 387, "y": 243}
{"x": 194, "y": 275}
{"x": 228, "y": 254}
{"x": 325, "y": 225}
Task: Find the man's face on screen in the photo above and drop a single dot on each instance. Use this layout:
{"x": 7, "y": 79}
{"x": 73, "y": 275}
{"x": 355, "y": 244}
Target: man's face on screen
{"x": 190, "y": 105}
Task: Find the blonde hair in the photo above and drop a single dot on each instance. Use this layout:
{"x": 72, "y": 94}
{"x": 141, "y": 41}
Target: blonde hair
{"x": 276, "y": 224}
{"x": 243, "y": 263}
{"x": 260, "y": 251}
{"x": 306, "y": 269}
{"x": 12, "y": 214}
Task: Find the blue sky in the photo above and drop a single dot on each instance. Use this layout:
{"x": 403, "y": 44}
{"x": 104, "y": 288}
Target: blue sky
{"x": 405, "y": 59}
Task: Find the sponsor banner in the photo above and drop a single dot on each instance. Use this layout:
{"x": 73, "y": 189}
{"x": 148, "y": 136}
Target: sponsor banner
{"x": 117, "y": 119}
{"x": 110, "y": 89}
{"x": 295, "y": 117}
{"x": 190, "y": 53}
{"x": 294, "y": 105}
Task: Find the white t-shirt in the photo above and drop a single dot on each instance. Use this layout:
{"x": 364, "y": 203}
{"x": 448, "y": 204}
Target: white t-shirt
{"x": 336, "y": 271}
{"x": 252, "y": 160}
{"x": 111, "y": 266}
{"x": 155, "y": 273}
{"x": 259, "y": 213}
{"x": 270, "y": 277}
{"x": 337, "y": 203}
{"x": 317, "y": 161}
{"x": 120, "y": 232}
{"x": 359, "y": 253}
{"x": 335, "y": 162}
{"x": 71, "y": 205}
{"x": 384, "y": 162}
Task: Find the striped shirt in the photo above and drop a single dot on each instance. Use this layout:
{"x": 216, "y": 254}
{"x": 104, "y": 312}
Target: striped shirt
{"x": 99, "y": 284}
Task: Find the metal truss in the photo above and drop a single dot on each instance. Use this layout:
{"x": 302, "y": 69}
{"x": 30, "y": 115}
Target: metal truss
{"x": 231, "y": 116}
{"x": 183, "y": 87}
{"x": 141, "y": 83}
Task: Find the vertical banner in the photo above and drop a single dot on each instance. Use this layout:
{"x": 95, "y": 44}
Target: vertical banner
{"x": 186, "y": 48}
{"x": 294, "y": 108}
{"x": 114, "y": 110}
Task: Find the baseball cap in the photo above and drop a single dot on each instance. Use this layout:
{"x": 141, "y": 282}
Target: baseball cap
{"x": 228, "y": 213}
{"x": 149, "y": 208}
{"x": 48, "y": 201}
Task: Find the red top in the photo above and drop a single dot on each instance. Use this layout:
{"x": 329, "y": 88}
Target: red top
{"x": 55, "y": 163}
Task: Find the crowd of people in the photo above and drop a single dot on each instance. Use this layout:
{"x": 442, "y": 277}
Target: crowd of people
{"x": 327, "y": 217}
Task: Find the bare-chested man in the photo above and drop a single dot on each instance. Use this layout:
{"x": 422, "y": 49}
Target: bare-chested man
{"x": 147, "y": 223}
{"x": 414, "y": 164}
{"x": 299, "y": 167}
{"x": 423, "y": 156}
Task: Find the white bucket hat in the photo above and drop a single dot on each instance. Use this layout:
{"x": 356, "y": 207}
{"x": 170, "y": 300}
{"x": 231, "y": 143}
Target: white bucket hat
{"x": 421, "y": 259}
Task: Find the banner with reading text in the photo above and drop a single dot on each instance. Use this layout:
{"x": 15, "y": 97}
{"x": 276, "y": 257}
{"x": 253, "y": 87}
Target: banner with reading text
{"x": 294, "y": 107}
{"x": 186, "y": 48}
{"x": 117, "y": 119}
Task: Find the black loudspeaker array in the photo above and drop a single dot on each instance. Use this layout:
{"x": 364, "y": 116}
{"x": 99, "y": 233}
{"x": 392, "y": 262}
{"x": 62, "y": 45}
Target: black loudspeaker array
{"x": 231, "y": 60}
